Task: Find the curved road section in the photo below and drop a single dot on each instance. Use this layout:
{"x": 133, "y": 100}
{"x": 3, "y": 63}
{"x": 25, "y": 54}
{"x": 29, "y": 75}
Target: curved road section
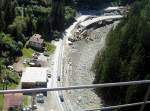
{"x": 52, "y": 102}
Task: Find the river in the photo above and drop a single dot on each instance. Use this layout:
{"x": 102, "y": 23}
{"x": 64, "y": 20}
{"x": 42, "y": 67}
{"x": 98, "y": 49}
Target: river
{"x": 78, "y": 59}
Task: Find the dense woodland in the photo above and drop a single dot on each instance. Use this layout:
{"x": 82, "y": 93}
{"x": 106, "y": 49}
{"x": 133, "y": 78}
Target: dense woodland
{"x": 20, "y": 19}
{"x": 126, "y": 57}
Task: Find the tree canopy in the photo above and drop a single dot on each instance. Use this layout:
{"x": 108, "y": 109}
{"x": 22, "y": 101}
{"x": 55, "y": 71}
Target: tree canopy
{"x": 126, "y": 57}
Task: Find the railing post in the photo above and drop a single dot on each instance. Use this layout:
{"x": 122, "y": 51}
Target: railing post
{"x": 145, "y": 99}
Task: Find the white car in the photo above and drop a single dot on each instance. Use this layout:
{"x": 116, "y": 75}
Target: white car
{"x": 25, "y": 61}
{"x": 32, "y": 63}
{"x": 11, "y": 67}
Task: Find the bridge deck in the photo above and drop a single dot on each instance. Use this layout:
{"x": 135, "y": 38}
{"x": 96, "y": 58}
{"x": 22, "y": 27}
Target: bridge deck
{"x": 98, "y": 19}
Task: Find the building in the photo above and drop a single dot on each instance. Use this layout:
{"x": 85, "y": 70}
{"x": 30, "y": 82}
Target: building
{"x": 12, "y": 101}
{"x": 34, "y": 77}
{"x": 36, "y": 41}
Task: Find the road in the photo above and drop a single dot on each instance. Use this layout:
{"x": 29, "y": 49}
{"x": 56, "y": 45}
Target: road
{"x": 52, "y": 101}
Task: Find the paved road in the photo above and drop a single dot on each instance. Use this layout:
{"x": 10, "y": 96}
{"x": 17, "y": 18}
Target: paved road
{"x": 52, "y": 101}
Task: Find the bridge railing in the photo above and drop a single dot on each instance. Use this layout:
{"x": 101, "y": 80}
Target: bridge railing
{"x": 105, "y": 85}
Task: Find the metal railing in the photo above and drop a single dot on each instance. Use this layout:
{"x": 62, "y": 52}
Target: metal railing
{"x": 105, "y": 85}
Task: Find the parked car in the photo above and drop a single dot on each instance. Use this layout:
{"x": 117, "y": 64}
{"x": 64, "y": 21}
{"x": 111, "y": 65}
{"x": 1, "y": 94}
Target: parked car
{"x": 35, "y": 64}
{"x": 31, "y": 63}
{"x": 24, "y": 62}
{"x": 36, "y": 53}
{"x": 46, "y": 54}
{"x": 48, "y": 74}
{"x": 34, "y": 106}
{"x": 40, "y": 98}
{"x": 61, "y": 98}
{"x": 35, "y": 57}
{"x": 28, "y": 109}
{"x": 24, "y": 109}
{"x": 10, "y": 67}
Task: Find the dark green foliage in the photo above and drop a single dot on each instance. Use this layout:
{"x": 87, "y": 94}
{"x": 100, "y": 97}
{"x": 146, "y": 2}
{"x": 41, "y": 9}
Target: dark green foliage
{"x": 7, "y": 13}
{"x": 9, "y": 48}
{"x": 57, "y": 15}
{"x": 69, "y": 15}
{"x": 92, "y": 4}
{"x": 19, "y": 28}
{"x": 126, "y": 57}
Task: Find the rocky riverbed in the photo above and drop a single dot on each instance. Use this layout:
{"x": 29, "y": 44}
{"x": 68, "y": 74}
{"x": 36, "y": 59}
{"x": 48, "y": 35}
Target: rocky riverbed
{"x": 78, "y": 61}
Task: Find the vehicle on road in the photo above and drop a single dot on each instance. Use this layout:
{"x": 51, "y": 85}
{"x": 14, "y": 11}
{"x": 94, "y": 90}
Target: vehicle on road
{"x": 49, "y": 75}
{"x": 61, "y": 98}
{"x": 40, "y": 98}
{"x": 58, "y": 78}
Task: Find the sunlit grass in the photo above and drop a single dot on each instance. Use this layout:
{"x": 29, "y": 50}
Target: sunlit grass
{"x": 27, "y": 52}
{"x": 50, "y": 47}
{"x": 1, "y": 102}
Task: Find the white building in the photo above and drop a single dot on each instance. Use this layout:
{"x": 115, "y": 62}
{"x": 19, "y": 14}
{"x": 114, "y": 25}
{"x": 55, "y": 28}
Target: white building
{"x": 34, "y": 77}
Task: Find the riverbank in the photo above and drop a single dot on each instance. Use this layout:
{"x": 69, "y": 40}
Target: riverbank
{"x": 78, "y": 61}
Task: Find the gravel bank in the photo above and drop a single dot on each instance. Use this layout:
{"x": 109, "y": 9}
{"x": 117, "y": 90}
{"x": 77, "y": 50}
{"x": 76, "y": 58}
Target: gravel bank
{"x": 77, "y": 69}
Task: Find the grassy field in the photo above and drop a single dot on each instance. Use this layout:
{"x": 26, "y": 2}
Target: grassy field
{"x": 1, "y": 102}
{"x": 27, "y": 52}
{"x": 25, "y": 100}
{"x": 50, "y": 47}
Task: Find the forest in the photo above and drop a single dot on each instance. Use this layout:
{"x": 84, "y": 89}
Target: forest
{"x": 20, "y": 19}
{"x": 126, "y": 57}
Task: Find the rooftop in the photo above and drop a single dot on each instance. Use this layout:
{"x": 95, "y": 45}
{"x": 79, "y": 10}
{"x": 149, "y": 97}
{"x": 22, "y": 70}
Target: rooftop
{"x": 34, "y": 74}
{"x": 12, "y": 100}
{"x": 36, "y": 38}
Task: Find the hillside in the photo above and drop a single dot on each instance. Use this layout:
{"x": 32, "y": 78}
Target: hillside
{"x": 19, "y": 20}
{"x": 126, "y": 57}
